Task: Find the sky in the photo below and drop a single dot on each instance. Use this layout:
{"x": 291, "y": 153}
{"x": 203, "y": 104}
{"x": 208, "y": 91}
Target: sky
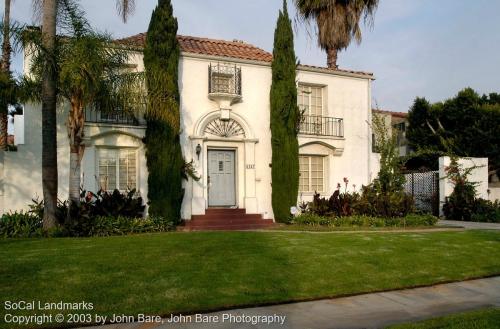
{"x": 424, "y": 48}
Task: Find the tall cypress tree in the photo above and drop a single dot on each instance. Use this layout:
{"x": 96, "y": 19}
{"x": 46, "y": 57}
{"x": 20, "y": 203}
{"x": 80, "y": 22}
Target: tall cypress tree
{"x": 284, "y": 120}
{"x": 163, "y": 149}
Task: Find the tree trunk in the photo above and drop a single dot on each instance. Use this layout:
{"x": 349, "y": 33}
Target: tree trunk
{"x": 331, "y": 54}
{"x": 49, "y": 118}
{"x": 74, "y": 176}
{"x": 75, "y": 127}
{"x": 6, "y": 38}
{"x": 5, "y": 67}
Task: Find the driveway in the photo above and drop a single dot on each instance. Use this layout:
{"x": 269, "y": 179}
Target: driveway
{"x": 469, "y": 225}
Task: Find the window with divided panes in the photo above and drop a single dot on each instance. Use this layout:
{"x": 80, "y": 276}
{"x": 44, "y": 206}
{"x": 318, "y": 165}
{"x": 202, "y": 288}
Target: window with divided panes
{"x": 310, "y": 99}
{"x": 117, "y": 169}
{"x": 312, "y": 173}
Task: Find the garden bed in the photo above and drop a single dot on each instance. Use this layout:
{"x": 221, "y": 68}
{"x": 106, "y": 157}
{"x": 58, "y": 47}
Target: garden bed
{"x": 356, "y": 221}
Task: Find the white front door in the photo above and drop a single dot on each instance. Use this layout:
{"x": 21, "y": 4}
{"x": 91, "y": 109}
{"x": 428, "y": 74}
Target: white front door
{"x": 221, "y": 187}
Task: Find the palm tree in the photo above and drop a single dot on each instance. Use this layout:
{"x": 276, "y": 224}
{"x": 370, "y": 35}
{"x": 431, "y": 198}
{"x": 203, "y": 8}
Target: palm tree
{"x": 49, "y": 118}
{"x": 5, "y": 69}
{"x": 89, "y": 75}
{"x": 125, "y": 8}
{"x": 49, "y": 11}
{"x": 337, "y": 22}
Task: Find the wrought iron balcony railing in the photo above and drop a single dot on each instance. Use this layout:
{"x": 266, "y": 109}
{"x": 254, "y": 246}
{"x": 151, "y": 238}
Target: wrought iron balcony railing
{"x": 117, "y": 117}
{"x": 224, "y": 79}
{"x": 321, "y": 126}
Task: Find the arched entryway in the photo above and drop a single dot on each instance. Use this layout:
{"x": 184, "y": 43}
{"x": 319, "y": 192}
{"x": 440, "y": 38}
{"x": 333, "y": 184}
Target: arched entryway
{"x": 225, "y": 160}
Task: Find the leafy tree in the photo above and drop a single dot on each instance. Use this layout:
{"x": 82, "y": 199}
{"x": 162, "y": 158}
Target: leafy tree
{"x": 284, "y": 120}
{"x": 163, "y": 149}
{"x": 466, "y": 126}
{"x": 419, "y": 117}
{"x": 337, "y": 22}
{"x": 389, "y": 179}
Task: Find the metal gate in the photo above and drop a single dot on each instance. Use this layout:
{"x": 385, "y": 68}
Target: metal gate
{"x": 424, "y": 187}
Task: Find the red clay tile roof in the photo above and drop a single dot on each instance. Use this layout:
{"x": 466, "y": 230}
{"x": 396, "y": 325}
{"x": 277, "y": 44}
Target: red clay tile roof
{"x": 394, "y": 114}
{"x": 335, "y": 70}
{"x": 204, "y": 46}
{"x": 222, "y": 48}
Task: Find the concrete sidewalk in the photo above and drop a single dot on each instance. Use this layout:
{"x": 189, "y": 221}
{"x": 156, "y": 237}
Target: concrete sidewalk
{"x": 375, "y": 310}
{"x": 469, "y": 225}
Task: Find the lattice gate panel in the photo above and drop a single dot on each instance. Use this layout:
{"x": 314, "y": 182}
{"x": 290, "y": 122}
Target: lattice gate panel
{"x": 424, "y": 186}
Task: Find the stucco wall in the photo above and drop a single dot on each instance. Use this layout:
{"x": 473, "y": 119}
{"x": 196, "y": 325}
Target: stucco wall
{"x": 253, "y": 109}
{"x": 494, "y": 194}
{"x": 22, "y": 177}
{"x": 479, "y": 175}
{"x": 346, "y": 97}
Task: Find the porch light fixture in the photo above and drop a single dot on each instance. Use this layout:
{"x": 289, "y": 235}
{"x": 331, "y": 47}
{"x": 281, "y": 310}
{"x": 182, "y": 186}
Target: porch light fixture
{"x": 198, "y": 151}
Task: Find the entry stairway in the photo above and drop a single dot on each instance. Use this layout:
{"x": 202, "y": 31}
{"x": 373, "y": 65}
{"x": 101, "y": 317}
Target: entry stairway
{"x": 224, "y": 219}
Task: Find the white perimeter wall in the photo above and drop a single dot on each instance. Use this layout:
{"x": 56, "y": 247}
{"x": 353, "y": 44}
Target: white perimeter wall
{"x": 478, "y": 175}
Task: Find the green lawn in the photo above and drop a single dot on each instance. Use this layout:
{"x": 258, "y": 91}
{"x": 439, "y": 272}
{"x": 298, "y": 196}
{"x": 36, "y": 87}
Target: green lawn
{"x": 325, "y": 228}
{"x": 180, "y": 272}
{"x": 482, "y": 319}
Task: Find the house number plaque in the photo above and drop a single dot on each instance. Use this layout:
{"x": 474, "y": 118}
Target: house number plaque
{"x": 250, "y": 166}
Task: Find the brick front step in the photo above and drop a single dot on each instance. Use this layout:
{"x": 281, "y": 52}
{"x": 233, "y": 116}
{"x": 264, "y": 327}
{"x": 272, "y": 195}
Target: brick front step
{"x": 225, "y": 219}
{"x": 224, "y": 228}
{"x": 219, "y": 211}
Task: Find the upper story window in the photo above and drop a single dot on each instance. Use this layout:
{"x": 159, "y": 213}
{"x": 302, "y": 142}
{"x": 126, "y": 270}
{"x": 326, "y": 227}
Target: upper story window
{"x": 310, "y": 99}
{"x": 401, "y": 126}
{"x": 224, "y": 79}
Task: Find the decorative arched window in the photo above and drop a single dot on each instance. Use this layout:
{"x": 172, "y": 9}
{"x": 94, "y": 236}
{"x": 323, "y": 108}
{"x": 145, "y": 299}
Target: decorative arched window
{"x": 224, "y": 128}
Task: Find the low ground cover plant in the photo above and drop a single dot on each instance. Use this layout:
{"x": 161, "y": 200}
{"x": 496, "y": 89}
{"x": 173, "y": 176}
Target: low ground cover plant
{"x": 99, "y": 214}
{"x": 411, "y": 220}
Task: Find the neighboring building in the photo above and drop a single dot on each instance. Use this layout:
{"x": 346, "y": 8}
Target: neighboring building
{"x": 396, "y": 122}
{"x": 225, "y": 113}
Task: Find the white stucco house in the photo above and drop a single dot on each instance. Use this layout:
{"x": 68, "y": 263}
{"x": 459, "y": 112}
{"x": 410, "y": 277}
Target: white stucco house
{"x": 225, "y": 118}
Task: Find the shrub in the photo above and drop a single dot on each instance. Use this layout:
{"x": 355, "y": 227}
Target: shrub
{"x": 103, "y": 203}
{"x": 319, "y": 206}
{"x": 390, "y": 204}
{"x": 460, "y": 204}
{"x": 117, "y": 204}
{"x": 486, "y": 211}
{"x": 101, "y": 214}
{"x": 339, "y": 203}
{"x": 20, "y": 225}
